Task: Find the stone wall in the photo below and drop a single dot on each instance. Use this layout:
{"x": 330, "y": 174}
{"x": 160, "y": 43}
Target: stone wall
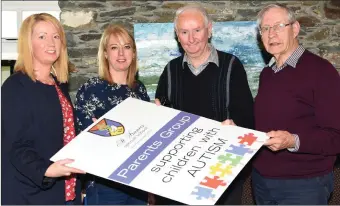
{"x": 84, "y": 22}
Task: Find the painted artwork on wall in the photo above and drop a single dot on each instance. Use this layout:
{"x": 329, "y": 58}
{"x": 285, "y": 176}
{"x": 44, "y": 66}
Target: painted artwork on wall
{"x": 156, "y": 46}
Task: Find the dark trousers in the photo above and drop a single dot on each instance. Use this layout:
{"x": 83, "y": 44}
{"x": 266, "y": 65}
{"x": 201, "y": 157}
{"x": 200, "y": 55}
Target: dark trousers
{"x": 104, "y": 192}
{"x": 69, "y": 202}
{"x": 233, "y": 195}
{"x": 308, "y": 191}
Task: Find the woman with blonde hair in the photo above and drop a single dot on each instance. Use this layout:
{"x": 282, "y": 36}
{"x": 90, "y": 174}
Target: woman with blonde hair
{"x": 116, "y": 82}
{"x": 37, "y": 118}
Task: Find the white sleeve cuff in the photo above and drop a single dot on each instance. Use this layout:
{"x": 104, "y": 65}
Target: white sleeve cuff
{"x": 297, "y": 144}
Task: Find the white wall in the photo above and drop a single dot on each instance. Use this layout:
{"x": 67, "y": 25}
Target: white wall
{"x": 13, "y": 13}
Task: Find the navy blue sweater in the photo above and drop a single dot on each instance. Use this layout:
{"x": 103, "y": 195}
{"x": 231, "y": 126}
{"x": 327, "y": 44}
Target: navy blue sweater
{"x": 32, "y": 132}
{"x": 305, "y": 101}
{"x": 206, "y": 94}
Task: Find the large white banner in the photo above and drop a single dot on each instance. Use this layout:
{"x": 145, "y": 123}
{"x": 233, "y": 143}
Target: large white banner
{"x": 167, "y": 152}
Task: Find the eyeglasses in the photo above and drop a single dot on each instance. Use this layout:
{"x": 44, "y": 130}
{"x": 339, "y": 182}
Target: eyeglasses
{"x": 276, "y": 28}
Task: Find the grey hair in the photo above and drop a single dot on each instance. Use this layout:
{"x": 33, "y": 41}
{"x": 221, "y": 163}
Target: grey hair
{"x": 196, "y": 7}
{"x": 290, "y": 13}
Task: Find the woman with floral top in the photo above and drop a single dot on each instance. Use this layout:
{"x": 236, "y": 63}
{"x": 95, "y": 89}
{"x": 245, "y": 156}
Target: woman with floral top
{"x": 116, "y": 82}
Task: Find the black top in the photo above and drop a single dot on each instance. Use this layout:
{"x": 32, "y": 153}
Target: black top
{"x": 207, "y": 93}
{"x": 97, "y": 96}
{"x": 32, "y": 132}
{"x": 198, "y": 90}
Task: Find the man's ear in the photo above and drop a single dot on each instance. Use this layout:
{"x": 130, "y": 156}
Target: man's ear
{"x": 210, "y": 29}
{"x": 296, "y": 28}
{"x": 176, "y": 35}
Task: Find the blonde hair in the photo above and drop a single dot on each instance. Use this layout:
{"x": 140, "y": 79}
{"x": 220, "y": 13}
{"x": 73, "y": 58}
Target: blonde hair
{"x": 24, "y": 62}
{"x": 117, "y": 31}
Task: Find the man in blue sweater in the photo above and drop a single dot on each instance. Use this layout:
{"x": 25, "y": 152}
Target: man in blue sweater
{"x": 206, "y": 82}
{"x": 298, "y": 105}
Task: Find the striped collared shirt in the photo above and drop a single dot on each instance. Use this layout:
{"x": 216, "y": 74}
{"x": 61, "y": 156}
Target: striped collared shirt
{"x": 291, "y": 61}
{"x": 213, "y": 57}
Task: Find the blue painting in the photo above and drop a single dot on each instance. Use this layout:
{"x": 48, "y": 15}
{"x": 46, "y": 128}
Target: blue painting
{"x": 156, "y": 46}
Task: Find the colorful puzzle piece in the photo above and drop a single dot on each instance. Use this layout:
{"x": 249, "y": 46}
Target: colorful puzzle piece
{"x": 222, "y": 170}
{"x": 239, "y": 150}
{"x": 213, "y": 182}
{"x": 229, "y": 157}
{"x": 203, "y": 192}
{"x": 248, "y": 138}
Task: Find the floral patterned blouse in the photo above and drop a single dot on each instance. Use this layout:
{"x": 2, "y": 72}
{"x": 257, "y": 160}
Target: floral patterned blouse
{"x": 97, "y": 96}
{"x": 69, "y": 134}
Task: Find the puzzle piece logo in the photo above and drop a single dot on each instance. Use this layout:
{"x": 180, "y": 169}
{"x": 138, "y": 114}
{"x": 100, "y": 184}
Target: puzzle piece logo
{"x": 239, "y": 150}
{"x": 247, "y": 138}
{"x": 226, "y": 170}
{"x": 213, "y": 182}
{"x": 107, "y": 128}
{"x": 202, "y": 192}
{"x": 233, "y": 160}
